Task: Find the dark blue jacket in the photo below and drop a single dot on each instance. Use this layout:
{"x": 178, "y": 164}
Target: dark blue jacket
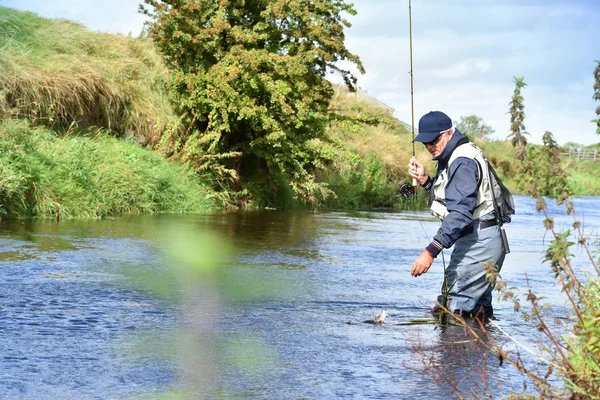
{"x": 461, "y": 194}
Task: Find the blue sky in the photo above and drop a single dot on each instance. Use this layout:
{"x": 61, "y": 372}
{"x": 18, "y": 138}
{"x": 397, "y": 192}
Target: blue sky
{"x": 465, "y": 53}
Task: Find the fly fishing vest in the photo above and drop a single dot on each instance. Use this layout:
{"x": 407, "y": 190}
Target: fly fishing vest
{"x": 485, "y": 203}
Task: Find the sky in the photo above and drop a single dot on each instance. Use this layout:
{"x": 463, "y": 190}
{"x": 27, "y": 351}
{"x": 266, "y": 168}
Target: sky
{"x": 465, "y": 55}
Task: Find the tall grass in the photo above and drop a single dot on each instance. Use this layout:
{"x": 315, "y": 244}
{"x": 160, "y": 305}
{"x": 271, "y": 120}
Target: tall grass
{"x": 56, "y": 72}
{"x": 94, "y": 176}
{"x": 582, "y": 174}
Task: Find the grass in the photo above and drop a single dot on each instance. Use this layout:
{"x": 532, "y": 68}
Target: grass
{"x": 55, "y": 72}
{"x": 94, "y": 176}
{"x": 583, "y": 176}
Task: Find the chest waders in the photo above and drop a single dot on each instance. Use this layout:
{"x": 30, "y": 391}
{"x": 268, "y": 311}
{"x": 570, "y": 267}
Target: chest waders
{"x": 465, "y": 282}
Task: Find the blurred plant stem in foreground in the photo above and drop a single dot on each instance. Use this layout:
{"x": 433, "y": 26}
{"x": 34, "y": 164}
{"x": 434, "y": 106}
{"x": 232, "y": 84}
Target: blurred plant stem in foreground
{"x": 201, "y": 281}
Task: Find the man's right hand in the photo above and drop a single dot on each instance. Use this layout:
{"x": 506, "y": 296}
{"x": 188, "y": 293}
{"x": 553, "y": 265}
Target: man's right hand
{"x": 417, "y": 171}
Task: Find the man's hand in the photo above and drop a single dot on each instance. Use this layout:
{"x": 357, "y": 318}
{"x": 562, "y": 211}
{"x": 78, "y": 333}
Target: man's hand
{"x": 417, "y": 171}
{"x": 422, "y": 264}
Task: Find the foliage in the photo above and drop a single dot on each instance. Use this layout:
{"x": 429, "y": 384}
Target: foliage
{"x": 541, "y": 172}
{"x": 572, "y": 146}
{"x": 474, "y": 127}
{"x": 44, "y": 175}
{"x": 583, "y": 176}
{"x": 597, "y": 95}
{"x": 573, "y": 352}
{"x": 56, "y": 73}
{"x": 249, "y": 79}
{"x": 517, "y": 116}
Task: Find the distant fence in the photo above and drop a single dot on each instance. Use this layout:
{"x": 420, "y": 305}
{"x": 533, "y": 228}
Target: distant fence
{"x": 408, "y": 127}
{"x": 364, "y": 96}
{"x": 582, "y": 154}
{"x": 370, "y": 99}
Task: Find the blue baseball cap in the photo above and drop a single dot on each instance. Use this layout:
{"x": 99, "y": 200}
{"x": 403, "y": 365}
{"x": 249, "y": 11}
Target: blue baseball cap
{"x": 431, "y": 125}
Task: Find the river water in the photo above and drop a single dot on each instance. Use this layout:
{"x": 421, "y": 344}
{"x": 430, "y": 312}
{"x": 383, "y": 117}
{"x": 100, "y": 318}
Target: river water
{"x": 251, "y": 305}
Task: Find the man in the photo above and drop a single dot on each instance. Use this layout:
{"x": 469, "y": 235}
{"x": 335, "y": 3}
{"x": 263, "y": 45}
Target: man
{"x": 461, "y": 197}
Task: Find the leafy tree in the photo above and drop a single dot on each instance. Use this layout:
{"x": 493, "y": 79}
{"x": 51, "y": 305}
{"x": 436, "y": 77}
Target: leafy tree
{"x": 473, "y": 126}
{"x": 572, "y": 146}
{"x": 517, "y": 116}
{"x": 249, "y": 80}
{"x": 597, "y": 95}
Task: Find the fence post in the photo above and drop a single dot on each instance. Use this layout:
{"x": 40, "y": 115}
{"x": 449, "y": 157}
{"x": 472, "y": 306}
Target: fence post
{"x": 595, "y": 154}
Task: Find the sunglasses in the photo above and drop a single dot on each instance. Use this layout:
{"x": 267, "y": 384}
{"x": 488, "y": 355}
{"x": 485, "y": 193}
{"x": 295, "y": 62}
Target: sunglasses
{"x": 434, "y": 141}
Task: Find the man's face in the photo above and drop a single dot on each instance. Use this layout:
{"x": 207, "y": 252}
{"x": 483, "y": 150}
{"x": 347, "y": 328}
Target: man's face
{"x": 436, "y": 147}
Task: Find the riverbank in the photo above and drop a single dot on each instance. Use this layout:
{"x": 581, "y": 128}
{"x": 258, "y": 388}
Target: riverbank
{"x": 93, "y": 91}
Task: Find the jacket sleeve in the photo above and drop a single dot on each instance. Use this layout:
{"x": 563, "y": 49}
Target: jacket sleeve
{"x": 428, "y": 184}
{"x": 461, "y": 200}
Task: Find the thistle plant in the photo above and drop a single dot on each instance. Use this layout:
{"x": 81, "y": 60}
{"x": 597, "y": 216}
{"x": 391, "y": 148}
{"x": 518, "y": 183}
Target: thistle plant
{"x": 517, "y": 116}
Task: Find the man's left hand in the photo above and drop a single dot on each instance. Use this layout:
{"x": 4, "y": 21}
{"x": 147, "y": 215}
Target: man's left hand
{"x": 422, "y": 264}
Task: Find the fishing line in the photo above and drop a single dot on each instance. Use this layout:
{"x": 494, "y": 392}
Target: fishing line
{"x": 539, "y": 357}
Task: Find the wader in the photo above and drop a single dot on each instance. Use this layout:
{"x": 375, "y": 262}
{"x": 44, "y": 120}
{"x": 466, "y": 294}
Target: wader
{"x": 472, "y": 289}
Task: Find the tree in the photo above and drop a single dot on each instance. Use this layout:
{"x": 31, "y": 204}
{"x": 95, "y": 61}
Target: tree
{"x": 474, "y": 127}
{"x": 597, "y": 95}
{"x": 517, "y": 116}
{"x": 249, "y": 80}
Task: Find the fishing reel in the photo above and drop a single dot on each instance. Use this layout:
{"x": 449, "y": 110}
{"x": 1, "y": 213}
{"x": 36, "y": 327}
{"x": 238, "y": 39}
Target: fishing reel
{"x": 406, "y": 190}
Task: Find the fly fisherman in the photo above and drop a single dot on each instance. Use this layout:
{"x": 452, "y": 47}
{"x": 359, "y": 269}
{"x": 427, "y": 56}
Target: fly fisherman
{"x": 461, "y": 197}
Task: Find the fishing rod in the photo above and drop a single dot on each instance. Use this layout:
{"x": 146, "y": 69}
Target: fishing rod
{"x": 412, "y": 95}
{"x": 406, "y": 190}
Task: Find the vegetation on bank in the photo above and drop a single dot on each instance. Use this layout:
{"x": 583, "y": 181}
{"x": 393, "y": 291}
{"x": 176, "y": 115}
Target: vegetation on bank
{"x": 350, "y": 154}
{"x": 368, "y": 152}
{"x": 43, "y": 174}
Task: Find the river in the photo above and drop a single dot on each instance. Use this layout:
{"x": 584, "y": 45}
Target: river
{"x": 250, "y": 305}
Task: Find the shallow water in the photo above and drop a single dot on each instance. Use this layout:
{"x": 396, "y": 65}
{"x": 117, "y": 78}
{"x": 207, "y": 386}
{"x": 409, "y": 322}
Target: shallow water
{"x": 281, "y": 317}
